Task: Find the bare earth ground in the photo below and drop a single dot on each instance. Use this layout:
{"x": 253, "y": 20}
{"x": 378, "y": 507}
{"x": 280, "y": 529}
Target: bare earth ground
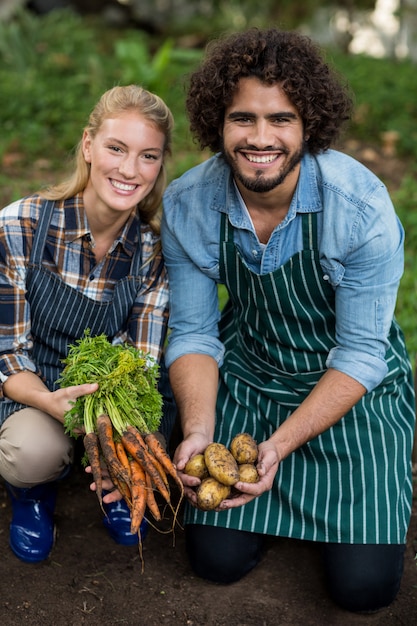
{"x": 89, "y": 580}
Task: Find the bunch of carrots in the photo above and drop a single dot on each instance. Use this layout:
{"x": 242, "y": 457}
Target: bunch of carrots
{"x": 119, "y": 422}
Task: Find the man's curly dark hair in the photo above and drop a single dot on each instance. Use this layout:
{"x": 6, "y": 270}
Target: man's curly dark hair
{"x": 289, "y": 59}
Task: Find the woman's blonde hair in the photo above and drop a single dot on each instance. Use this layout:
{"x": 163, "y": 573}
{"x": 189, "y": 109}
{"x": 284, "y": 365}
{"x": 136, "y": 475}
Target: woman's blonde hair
{"x": 111, "y": 104}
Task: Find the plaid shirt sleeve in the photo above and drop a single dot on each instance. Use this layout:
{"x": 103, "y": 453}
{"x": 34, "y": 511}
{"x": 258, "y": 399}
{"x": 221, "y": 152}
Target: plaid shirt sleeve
{"x": 16, "y": 233}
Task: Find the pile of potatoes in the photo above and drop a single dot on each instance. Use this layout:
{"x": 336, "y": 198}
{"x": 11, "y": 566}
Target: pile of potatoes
{"x": 220, "y": 468}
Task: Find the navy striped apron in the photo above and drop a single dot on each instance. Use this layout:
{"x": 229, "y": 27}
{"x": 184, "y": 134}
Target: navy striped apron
{"x": 60, "y": 314}
{"x": 351, "y": 484}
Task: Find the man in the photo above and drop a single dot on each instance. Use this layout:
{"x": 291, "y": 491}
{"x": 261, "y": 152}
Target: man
{"x": 307, "y": 357}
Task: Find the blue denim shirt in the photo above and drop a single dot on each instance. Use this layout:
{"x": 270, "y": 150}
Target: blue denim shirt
{"x": 360, "y": 246}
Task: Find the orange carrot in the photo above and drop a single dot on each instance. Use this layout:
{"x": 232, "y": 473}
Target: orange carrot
{"x": 122, "y": 486}
{"x": 122, "y": 456}
{"x": 161, "y": 471}
{"x": 151, "y": 501}
{"x": 138, "y": 490}
{"x": 105, "y": 435}
{"x": 163, "y": 457}
{"x": 150, "y": 456}
{"x": 91, "y": 445}
{"x": 141, "y": 454}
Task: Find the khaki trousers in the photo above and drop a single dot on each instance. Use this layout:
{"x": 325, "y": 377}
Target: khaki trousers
{"x": 34, "y": 448}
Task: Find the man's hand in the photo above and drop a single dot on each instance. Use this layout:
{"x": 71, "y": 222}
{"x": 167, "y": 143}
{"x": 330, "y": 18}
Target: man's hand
{"x": 192, "y": 445}
{"x": 267, "y": 466}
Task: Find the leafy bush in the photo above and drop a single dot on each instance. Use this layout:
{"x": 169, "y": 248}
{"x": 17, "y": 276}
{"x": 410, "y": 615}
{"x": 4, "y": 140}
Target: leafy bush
{"x": 51, "y": 72}
{"x": 385, "y": 93}
{"x": 54, "y": 68}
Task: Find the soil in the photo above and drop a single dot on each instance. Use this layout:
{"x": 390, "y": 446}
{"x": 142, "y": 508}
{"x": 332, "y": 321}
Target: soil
{"x": 89, "y": 580}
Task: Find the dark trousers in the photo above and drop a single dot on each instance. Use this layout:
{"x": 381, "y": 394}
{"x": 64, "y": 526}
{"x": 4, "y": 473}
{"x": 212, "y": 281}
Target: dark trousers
{"x": 360, "y": 578}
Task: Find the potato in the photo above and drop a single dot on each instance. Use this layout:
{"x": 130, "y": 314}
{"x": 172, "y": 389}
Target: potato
{"x": 244, "y": 448}
{"x": 210, "y": 493}
{"x": 220, "y": 464}
{"x": 248, "y": 473}
{"x": 196, "y": 466}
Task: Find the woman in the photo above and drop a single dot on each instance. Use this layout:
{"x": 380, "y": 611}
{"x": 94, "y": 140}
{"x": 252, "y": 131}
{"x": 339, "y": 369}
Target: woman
{"x": 84, "y": 254}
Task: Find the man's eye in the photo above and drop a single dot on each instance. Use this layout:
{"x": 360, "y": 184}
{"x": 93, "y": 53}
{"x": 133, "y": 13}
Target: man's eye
{"x": 282, "y": 120}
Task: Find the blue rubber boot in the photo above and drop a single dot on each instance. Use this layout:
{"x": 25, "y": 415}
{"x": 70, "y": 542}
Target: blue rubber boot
{"x": 117, "y": 521}
{"x": 32, "y": 529}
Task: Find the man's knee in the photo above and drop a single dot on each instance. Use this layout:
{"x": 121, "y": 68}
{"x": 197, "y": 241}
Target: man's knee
{"x": 363, "y": 578}
{"x": 222, "y": 555}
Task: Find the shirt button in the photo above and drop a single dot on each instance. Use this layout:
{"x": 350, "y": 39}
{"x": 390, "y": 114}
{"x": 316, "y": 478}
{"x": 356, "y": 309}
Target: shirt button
{"x": 92, "y": 277}
{"x": 326, "y": 277}
{"x": 255, "y": 252}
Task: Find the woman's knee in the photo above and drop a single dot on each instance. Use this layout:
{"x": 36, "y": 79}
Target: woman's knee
{"x": 33, "y": 448}
{"x": 363, "y": 578}
{"x": 222, "y": 555}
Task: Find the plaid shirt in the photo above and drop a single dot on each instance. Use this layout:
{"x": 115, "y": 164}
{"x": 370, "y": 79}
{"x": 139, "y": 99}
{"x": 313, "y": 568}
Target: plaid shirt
{"x": 69, "y": 253}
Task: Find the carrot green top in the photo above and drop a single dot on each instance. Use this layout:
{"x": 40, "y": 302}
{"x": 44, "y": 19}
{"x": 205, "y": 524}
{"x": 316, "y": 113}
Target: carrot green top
{"x": 127, "y": 380}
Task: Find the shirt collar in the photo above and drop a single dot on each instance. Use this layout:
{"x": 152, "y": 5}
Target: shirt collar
{"x": 306, "y": 198}
{"x": 77, "y": 227}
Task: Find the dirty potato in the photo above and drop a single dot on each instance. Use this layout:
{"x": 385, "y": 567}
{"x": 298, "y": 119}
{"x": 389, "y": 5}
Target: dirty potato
{"x": 244, "y": 448}
{"x": 248, "y": 473}
{"x": 196, "y": 466}
{"x": 210, "y": 493}
{"x": 220, "y": 464}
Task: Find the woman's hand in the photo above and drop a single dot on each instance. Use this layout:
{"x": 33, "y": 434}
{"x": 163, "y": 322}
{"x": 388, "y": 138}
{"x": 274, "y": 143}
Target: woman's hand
{"x": 27, "y": 388}
{"x": 113, "y": 494}
{"x": 62, "y": 400}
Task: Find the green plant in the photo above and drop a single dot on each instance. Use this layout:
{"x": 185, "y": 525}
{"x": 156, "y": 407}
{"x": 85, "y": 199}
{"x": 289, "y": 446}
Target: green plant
{"x": 51, "y": 73}
{"x": 385, "y": 94}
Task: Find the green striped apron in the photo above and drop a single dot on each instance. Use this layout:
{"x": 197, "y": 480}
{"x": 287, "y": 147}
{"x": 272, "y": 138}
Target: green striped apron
{"x": 351, "y": 484}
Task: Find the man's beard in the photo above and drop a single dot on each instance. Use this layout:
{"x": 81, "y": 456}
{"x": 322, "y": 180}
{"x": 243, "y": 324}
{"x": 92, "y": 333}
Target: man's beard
{"x": 259, "y": 184}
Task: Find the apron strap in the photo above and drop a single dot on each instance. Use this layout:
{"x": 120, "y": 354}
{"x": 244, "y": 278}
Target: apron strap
{"x": 309, "y": 226}
{"x": 46, "y": 211}
{"x": 45, "y": 217}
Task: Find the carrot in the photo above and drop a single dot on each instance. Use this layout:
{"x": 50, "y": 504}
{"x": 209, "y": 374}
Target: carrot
{"x": 105, "y": 435}
{"x": 122, "y": 486}
{"x": 122, "y": 456}
{"x": 134, "y": 431}
{"x": 141, "y": 454}
{"x": 161, "y": 471}
{"x": 151, "y": 501}
{"x": 91, "y": 445}
{"x": 138, "y": 490}
{"x": 163, "y": 457}
{"x": 151, "y": 458}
